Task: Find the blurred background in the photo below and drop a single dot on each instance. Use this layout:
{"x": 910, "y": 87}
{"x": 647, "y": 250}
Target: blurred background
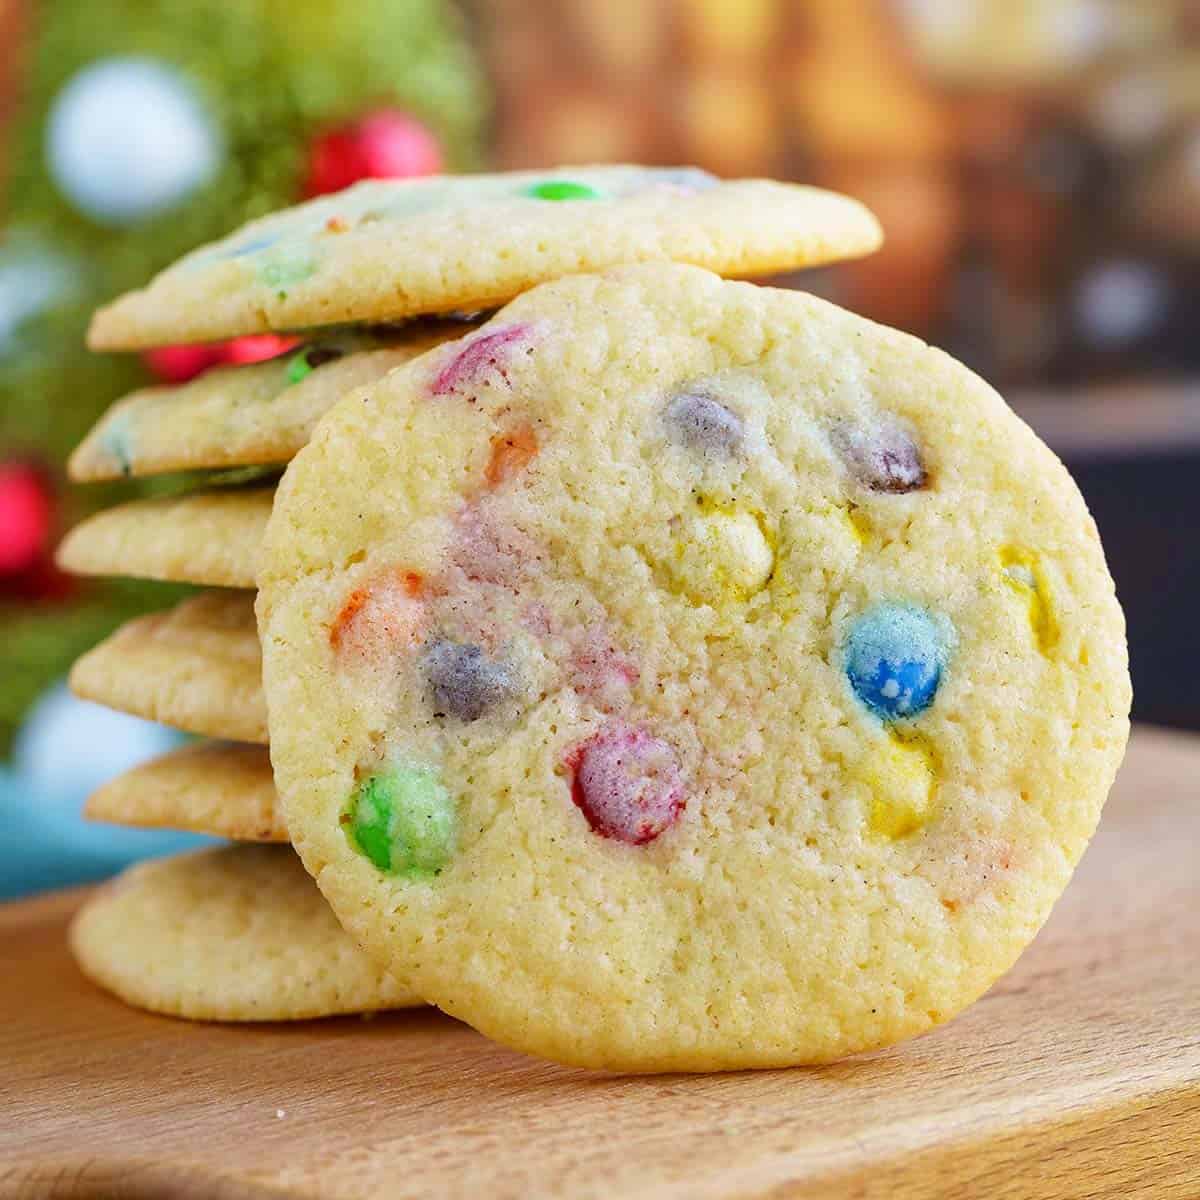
{"x": 1035, "y": 163}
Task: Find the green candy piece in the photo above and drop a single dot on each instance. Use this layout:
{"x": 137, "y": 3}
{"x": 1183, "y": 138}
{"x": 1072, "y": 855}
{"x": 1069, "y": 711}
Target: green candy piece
{"x": 563, "y": 189}
{"x": 308, "y": 358}
{"x": 285, "y": 267}
{"x": 298, "y": 366}
{"x": 402, "y": 819}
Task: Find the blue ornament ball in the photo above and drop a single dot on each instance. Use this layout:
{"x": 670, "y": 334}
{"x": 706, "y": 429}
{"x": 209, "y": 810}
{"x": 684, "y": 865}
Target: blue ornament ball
{"x": 65, "y": 750}
{"x": 69, "y": 746}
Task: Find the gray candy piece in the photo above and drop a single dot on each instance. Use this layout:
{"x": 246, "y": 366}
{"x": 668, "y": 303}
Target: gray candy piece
{"x": 465, "y": 683}
{"x": 882, "y": 456}
{"x": 705, "y": 425}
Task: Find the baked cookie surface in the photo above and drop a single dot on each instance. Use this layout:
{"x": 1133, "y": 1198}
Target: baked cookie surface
{"x": 212, "y": 538}
{"x": 196, "y": 666}
{"x": 237, "y": 933}
{"x": 386, "y": 249}
{"x": 224, "y": 789}
{"x": 243, "y": 415}
{"x": 681, "y": 675}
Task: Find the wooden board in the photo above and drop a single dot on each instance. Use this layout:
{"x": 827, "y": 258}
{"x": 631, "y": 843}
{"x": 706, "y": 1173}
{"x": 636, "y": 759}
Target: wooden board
{"x": 1078, "y": 1075}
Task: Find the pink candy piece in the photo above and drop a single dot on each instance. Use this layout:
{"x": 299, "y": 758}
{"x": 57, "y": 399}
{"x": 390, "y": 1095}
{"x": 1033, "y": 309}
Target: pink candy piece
{"x": 487, "y": 550}
{"x": 486, "y": 353}
{"x": 627, "y": 783}
{"x": 601, "y": 670}
{"x": 257, "y": 347}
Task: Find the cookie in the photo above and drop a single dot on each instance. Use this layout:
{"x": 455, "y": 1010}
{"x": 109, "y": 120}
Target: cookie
{"x": 243, "y": 415}
{"x": 220, "y": 788}
{"x": 211, "y": 538}
{"x": 196, "y": 666}
{"x": 237, "y": 933}
{"x": 386, "y": 249}
{"x": 686, "y": 675}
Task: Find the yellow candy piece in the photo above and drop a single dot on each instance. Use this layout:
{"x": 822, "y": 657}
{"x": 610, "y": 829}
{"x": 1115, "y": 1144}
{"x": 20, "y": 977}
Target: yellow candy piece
{"x": 857, "y": 520}
{"x": 721, "y": 555}
{"x": 1022, "y": 571}
{"x": 900, "y": 778}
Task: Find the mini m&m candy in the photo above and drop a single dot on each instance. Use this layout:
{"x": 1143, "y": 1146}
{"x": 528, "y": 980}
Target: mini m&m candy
{"x": 1023, "y": 572}
{"x": 306, "y": 360}
{"x": 720, "y": 556}
{"x": 482, "y": 356}
{"x": 882, "y": 456}
{"x": 402, "y": 819}
{"x": 705, "y": 425}
{"x": 900, "y": 780}
{"x": 628, "y": 784}
{"x": 894, "y": 657}
{"x": 464, "y": 682}
{"x": 563, "y": 189}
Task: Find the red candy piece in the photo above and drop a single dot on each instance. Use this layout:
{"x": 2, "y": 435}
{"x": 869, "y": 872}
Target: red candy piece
{"x": 26, "y": 517}
{"x": 257, "y": 347}
{"x": 628, "y": 784}
{"x": 482, "y": 354}
{"x": 178, "y": 364}
{"x": 386, "y": 144}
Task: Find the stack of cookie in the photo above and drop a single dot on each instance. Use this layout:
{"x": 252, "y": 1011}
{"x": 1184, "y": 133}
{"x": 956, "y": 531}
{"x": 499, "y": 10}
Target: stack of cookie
{"x": 667, "y": 674}
{"x": 238, "y": 933}
{"x": 241, "y": 933}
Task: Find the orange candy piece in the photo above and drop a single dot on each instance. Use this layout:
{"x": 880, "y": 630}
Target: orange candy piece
{"x": 380, "y": 612}
{"x": 511, "y": 453}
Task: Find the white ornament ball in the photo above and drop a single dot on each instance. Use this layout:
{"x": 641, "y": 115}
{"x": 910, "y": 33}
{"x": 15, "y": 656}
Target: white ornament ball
{"x": 1119, "y": 301}
{"x": 128, "y": 138}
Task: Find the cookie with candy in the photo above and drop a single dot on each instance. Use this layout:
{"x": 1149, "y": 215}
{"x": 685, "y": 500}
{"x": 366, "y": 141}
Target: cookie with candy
{"x": 665, "y": 675}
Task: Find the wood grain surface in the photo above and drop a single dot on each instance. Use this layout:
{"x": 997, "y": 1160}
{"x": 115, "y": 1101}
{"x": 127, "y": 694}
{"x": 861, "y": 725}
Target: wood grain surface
{"x": 1077, "y": 1076}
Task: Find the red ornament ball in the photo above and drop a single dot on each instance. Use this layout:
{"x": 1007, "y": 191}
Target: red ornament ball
{"x": 26, "y": 517}
{"x": 385, "y": 144}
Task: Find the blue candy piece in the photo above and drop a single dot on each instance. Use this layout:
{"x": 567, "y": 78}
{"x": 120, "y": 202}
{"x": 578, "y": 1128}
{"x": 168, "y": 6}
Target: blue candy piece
{"x": 261, "y": 241}
{"x": 694, "y": 179}
{"x": 894, "y": 657}
{"x": 117, "y": 439}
